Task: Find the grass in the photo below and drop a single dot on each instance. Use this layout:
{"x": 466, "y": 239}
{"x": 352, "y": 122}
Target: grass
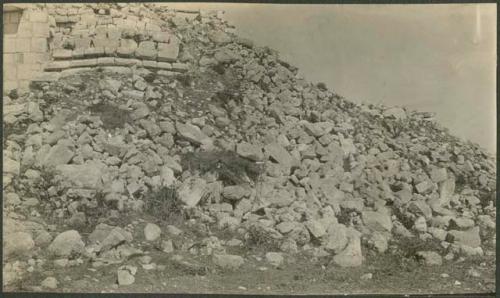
{"x": 165, "y": 204}
{"x": 229, "y": 167}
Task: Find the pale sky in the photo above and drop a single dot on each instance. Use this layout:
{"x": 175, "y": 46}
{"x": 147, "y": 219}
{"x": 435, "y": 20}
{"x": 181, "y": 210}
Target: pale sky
{"x": 439, "y": 58}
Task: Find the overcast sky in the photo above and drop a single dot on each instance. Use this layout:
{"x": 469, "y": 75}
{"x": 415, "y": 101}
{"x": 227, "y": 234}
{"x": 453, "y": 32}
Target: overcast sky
{"x": 439, "y": 58}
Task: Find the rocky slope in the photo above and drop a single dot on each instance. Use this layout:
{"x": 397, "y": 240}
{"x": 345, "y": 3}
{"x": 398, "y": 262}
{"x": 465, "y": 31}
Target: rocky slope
{"x": 236, "y": 142}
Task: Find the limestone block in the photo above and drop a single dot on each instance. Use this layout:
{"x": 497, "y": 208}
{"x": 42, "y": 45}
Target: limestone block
{"x": 57, "y": 65}
{"x": 127, "y": 48}
{"x": 38, "y": 16}
{"x": 161, "y": 36}
{"x": 106, "y": 61}
{"x": 9, "y": 72}
{"x": 25, "y": 71}
{"x": 100, "y": 42}
{"x": 127, "y": 62}
{"x": 164, "y": 65}
{"x": 9, "y": 85}
{"x": 34, "y": 58}
{"x": 61, "y": 18}
{"x": 83, "y": 63}
{"x": 78, "y": 53}
{"x": 168, "y": 52}
{"x": 114, "y": 33}
{"x": 9, "y": 59}
{"x": 22, "y": 45}
{"x": 181, "y": 67}
{"x": 82, "y": 42}
{"x": 25, "y": 29}
{"x": 9, "y": 44}
{"x": 62, "y": 54}
{"x": 149, "y": 64}
{"x": 93, "y": 52}
{"x": 146, "y": 50}
{"x": 41, "y": 30}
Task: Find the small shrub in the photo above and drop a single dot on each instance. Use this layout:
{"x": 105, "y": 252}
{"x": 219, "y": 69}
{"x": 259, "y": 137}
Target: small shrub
{"x": 164, "y": 204}
{"x": 229, "y": 167}
{"x": 259, "y": 238}
{"x": 112, "y": 117}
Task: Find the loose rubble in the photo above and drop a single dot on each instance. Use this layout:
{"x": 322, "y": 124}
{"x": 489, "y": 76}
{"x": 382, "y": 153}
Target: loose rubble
{"x": 321, "y": 175}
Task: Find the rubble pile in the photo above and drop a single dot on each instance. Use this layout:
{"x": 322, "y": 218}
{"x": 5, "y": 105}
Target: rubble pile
{"x": 323, "y": 176}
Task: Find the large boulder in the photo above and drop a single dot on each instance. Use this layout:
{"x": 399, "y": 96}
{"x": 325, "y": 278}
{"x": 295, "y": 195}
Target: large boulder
{"x": 88, "y": 175}
{"x": 191, "y": 191}
{"x": 351, "y": 256}
{"x": 225, "y": 261}
{"x": 18, "y": 243}
{"x": 249, "y": 151}
{"x": 192, "y": 134}
{"x": 281, "y": 155}
{"x": 66, "y": 244}
{"x": 377, "y": 221}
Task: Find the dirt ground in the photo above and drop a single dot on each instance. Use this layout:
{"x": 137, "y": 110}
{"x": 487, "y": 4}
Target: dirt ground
{"x": 301, "y": 274}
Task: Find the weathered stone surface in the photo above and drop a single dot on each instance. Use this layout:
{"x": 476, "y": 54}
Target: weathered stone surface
{"x": 470, "y": 237}
{"x": 127, "y": 48}
{"x": 192, "y": 134}
{"x": 377, "y": 221}
{"x": 275, "y": 259}
{"x": 17, "y": 243}
{"x": 235, "y": 192}
{"x": 351, "y": 256}
{"x": 430, "y": 258}
{"x": 152, "y": 232}
{"x": 438, "y": 175}
{"x": 50, "y": 283}
{"x": 279, "y": 154}
{"x": 88, "y": 175}
{"x": 60, "y": 154}
{"x": 249, "y": 151}
{"x": 336, "y": 238}
{"x": 168, "y": 52}
{"x": 316, "y": 228}
{"x": 395, "y": 113}
{"x": 125, "y": 275}
{"x": 146, "y": 50}
{"x": 67, "y": 243}
{"x": 109, "y": 236}
{"x": 230, "y": 262}
{"x": 191, "y": 191}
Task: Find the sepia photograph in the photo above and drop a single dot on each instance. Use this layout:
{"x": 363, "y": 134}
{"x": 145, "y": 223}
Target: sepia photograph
{"x": 249, "y": 148}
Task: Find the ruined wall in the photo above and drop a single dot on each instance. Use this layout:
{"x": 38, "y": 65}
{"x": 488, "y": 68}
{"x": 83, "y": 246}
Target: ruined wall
{"x": 25, "y": 47}
{"x": 56, "y": 37}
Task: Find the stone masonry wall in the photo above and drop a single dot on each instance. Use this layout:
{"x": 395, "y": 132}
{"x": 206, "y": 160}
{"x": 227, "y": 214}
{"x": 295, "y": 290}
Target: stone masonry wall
{"x": 25, "y": 46}
{"x": 52, "y": 38}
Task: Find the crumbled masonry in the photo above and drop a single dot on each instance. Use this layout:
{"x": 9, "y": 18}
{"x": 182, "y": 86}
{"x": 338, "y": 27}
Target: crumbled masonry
{"x": 130, "y": 91}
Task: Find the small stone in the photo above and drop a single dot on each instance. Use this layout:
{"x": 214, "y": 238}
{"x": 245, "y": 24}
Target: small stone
{"x": 126, "y": 275}
{"x": 173, "y": 230}
{"x": 275, "y": 259}
{"x": 67, "y": 243}
{"x": 50, "y": 283}
{"x": 225, "y": 261}
{"x": 444, "y": 275}
{"x": 152, "y": 232}
{"x": 61, "y": 263}
{"x": 167, "y": 246}
{"x": 351, "y": 256}
{"x": 473, "y": 273}
{"x": 420, "y": 225}
{"x": 430, "y": 258}
{"x": 367, "y": 276}
{"x": 18, "y": 243}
